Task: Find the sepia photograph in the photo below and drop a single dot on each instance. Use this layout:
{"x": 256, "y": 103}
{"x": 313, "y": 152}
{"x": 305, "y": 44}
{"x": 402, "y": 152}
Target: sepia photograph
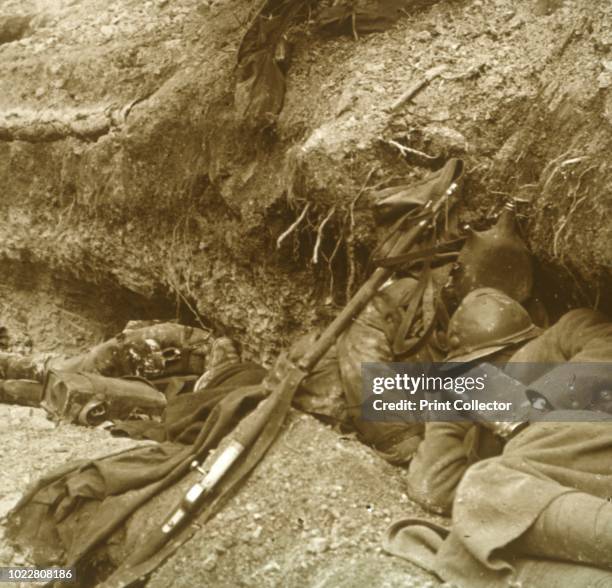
{"x": 306, "y": 293}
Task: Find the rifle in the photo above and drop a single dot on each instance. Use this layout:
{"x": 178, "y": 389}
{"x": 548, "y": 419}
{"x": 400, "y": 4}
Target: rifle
{"x": 258, "y": 429}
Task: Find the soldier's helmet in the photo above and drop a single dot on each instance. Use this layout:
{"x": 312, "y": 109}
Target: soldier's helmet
{"x": 496, "y": 258}
{"x": 487, "y": 321}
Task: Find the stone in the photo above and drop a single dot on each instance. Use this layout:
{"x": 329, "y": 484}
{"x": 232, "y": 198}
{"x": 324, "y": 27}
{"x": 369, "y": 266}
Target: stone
{"x": 317, "y": 545}
{"x": 423, "y": 36}
{"x": 604, "y": 80}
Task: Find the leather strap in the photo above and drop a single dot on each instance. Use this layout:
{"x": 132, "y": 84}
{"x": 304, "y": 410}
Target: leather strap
{"x": 421, "y": 255}
{"x": 400, "y": 341}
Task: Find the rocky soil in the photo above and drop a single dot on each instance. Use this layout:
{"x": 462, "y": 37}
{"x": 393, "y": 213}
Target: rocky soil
{"x": 312, "y": 514}
{"x": 31, "y": 445}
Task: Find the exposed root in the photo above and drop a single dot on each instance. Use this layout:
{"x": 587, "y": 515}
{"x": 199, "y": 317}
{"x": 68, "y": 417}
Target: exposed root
{"x": 408, "y": 150}
{"x": 354, "y": 26}
{"x": 350, "y": 240}
{"x": 557, "y": 234}
{"x": 564, "y": 222}
{"x": 557, "y": 164}
{"x": 552, "y": 169}
{"x": 330, "y": 261}
{"x": 572, "y": 161}
{"x": 173, "y": 279}
{"x": 315, "y": 253}
{"x": 188, "y": 304}
{"x": 469, "y": 73}
{"x": 350, "y": 259}
{"x": 293, "y": 226}
{"x": 54, "y": 125}
{"x": 416, "y": 87}
{"x": 576, "y": 202}
{"x": 597, "y": 297}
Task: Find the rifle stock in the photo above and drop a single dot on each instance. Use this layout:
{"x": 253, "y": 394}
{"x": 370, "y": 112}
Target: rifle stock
{"x": 247, "y": 431}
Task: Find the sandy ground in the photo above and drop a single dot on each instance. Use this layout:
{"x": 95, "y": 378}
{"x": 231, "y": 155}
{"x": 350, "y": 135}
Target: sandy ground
{"x": 312, "y": 514}
{"x": 32, "y": 444}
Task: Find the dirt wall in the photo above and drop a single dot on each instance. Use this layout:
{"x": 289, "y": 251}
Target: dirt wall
{"x": 123, "y": 166}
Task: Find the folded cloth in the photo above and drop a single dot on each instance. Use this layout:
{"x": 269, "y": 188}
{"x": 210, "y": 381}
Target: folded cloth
{"x": 417, "y": 540}
{"x": 70, "y": 511}
{"x": 186, "y": 412}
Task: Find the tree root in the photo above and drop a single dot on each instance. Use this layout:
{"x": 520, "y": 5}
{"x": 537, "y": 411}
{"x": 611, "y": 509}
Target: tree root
{"x": 44, "y": 126}
{"x": 293, "y": 226}
{"x": 576, "y": 202}
{"x": 330, "y": 260}
{"x": 315, "y": 252}
{"x": 350, "y": 240}
{"x": 174, "y": 280}
{"x": 410, "y": 151}
{"x": 556, "y": 165}
{"x": 417, "y": 86}
{"x": 40, "y": 126}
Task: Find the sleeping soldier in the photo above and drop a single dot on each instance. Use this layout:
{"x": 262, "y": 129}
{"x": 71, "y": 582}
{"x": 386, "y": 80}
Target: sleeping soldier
{"x": 530, "y": 504}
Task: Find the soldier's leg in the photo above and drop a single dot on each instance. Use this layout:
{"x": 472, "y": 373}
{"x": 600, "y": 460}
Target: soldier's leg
{"x": 14, "y": 366}
{"x": 542, "y": 573}
{"x": 575, "y": 527}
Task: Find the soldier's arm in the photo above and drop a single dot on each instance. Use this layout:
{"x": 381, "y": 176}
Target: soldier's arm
{"x": 586, "y": 335}
{"x": 442, "y": 458}
{"x": 580, "y": 346}
{"x": 579, "y": 335}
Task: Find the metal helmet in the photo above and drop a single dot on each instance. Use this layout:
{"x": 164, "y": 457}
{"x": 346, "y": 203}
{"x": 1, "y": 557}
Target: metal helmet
{"x": 496, "y": 258}
{"x": 486, "y": 321}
